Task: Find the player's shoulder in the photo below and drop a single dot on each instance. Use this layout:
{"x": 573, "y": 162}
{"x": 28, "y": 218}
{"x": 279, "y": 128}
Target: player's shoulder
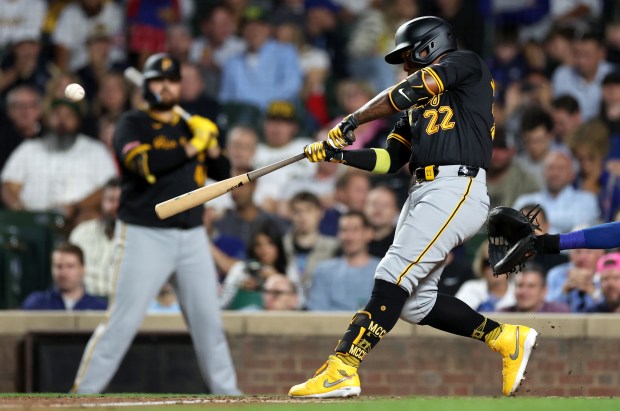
{"x": 462, "y": 55}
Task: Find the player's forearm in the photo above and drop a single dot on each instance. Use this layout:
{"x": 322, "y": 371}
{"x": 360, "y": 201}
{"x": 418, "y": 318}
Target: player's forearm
{"x": 378, "y": 107}
{"x": 601, "y": 237}
{"x": 375, "y": 160}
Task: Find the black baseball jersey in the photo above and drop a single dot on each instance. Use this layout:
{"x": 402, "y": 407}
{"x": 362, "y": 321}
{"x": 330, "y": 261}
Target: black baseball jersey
{"x": 456, "y": 127}
{"x": 155, "y": 168}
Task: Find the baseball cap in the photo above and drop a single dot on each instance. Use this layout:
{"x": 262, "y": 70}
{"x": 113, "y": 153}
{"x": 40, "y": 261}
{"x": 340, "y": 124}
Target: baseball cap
{"x": 281, "y": 110}
{"x": 611, "y": 260}
{"x": 255, "y": 14}
{"x": 75, "y": 107}
{"x": 99, "y": 32}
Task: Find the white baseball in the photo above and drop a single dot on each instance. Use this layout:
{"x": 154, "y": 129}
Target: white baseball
{"x": 74, "y": 92}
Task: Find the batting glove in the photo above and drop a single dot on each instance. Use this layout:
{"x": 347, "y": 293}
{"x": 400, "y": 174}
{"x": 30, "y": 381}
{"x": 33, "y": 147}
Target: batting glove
{"x": 342, "y": 135}
{"x": 205, "y": 133}
{"x": 321, "y": 151}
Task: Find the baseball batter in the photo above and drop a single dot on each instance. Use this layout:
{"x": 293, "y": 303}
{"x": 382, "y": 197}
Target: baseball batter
{"x": 445, "y": 133}
{"x": 161, "y": 157}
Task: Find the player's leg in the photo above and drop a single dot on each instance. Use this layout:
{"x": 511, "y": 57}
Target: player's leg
{"x": 196, "y": 287}
{"x": 142, "y": 263}
{"x": 338, "y": 376}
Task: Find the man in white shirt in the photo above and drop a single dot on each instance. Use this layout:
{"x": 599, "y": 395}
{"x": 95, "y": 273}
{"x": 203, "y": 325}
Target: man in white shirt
{"x": 75, "y": 23}
{"x": 64, "y": 170}
{"x": 21, "y": 19}
{"x": 280, "y": 130}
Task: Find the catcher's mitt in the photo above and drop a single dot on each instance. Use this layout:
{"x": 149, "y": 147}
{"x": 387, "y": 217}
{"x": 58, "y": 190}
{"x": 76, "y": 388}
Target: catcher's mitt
{"x": 511, "y": 238}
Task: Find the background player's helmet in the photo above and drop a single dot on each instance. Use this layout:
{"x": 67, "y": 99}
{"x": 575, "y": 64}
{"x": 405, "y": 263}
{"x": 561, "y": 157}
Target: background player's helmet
{"x": 423, "y": 33}
{"x": 160, "y": 65}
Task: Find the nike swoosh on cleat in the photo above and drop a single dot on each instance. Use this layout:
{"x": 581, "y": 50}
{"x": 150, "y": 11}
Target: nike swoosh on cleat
{"x": 400, "y": 90}
{"x": 328, "y": 384}
{"x": 516, "y": 353}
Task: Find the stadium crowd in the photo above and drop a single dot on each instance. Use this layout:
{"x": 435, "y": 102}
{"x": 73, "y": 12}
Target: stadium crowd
{"x": 275, "y": 76}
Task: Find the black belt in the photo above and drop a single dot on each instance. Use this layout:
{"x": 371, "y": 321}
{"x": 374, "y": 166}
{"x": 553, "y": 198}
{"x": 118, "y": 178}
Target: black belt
{"x": 429, "y": 173}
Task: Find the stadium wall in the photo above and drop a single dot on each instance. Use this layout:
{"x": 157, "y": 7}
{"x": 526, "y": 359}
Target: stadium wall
{"x": 578, "y": 355}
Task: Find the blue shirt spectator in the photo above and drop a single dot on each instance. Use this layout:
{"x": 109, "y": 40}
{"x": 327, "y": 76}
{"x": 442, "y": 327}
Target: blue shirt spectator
{"x": 345, "y": 283}
{"x": 266, "y": 71}
{"x": 52, "y": 299}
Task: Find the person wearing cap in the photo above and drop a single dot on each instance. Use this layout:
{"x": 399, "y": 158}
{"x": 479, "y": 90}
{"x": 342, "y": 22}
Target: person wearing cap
{"x": 608, "y": 267}
{"x": 266, "y": 71}
{"x": 280, "y": 130}
{"x": 161, "y": 156}
{"x": 506, "y": 178}
{"x": 530, "y": 291}
{"x": 63, "y": 171}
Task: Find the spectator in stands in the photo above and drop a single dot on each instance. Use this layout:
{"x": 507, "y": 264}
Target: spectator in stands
{"x": 22, "y": 121}
{"x": 95, "y": 238}
{"x": 75, "y": 23}
{"x": 266, "y": 71}
{"x": 456, "y": 272}
{"x": 351, "y": 95}
{"x": 367, "y": 46}
{"x": 321, "y": 183}
{"x": 179, "y": 42}
{"x": 324, "y": 31}
{"x": 566, "y": 206}
{"x": 352, "y": 188}
{"x": 67, "y": 292}
{"x": 381, "y": 210}
{"x": 146, "y": 26}
{"x": 193, "y": 97}
{"x": 93, "y": 73}
{"x": 63, "y": 171}
{"x": 21, "y": 19}
{"x": 166, "y": 301}
{"x": 566, "y": 117}
{"x": 558, "y": 46}
{"x": 266, "y": 257}
{"x": 351, "y": 275}
{"x": 279, "y": 294}
{"x": 609, "y": 268}
{"x": 246, "y": 215}
{"x": 612, "y": 41}
{"x": 303, "y": 242}
{"x": 486, "y": 292}
{"x": 590, "y": 146}
{"x": 506, "y": 178}
{"x": 537, "y": 136}
{"x": 575, "y": 282}
{"x": 545, "y": 261}
{"x": 532, "y": 90}
{"x": 583, "y": 80}
{"x": 112, "y": 96}
{"x": 507, "y": 64}
{"x": 216, "y": 44}
{"x": 610, "y": 114}
{"x": 530, "y": 292}
{"x": 23, "y": 64}
{"x": 280, "y": 129}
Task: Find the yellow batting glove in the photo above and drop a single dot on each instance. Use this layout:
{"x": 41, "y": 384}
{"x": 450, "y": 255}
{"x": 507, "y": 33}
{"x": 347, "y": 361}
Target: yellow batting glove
{"x": 315, "y": 152}
{"x": 342, "y": 135}
{"x": 205, "y": 133}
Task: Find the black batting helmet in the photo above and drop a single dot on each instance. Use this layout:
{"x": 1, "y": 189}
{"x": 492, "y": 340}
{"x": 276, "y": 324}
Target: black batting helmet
{"x": 160, "y": 65}
{"x": 423, "y": 33}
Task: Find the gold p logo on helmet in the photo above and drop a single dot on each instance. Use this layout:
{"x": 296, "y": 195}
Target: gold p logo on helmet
{"x": 166, "y": 63}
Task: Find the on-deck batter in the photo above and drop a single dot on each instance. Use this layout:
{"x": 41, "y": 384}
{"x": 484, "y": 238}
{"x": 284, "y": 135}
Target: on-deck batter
{"x": 161, "y": 157}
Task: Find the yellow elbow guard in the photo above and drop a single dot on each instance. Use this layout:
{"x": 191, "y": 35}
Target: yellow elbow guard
{"x": 382, "y": 166}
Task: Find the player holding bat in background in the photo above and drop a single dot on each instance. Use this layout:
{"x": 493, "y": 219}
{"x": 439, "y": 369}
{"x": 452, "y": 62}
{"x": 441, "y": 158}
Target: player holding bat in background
{"x": 161, "y": 156}
{"x": 445, "y": 134}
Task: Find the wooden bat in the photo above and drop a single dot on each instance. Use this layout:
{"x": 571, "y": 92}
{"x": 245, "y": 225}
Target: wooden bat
{"x": 203, "y": 194}
{"x": 134, "y": 76}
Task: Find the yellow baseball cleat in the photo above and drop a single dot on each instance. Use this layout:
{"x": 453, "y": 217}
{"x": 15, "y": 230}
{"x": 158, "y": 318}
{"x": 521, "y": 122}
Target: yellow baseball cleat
{"x": 515, "y": 343}
{"x": 333, "y": 379}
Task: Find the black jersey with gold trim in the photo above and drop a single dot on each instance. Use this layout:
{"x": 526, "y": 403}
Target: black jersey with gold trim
{"x": 155, "y": 168}
{"x": 457, "y": 125}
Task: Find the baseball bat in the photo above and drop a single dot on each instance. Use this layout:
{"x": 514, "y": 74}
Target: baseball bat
{"x": 135, "y": 77}
{"x": 201, "y": 195}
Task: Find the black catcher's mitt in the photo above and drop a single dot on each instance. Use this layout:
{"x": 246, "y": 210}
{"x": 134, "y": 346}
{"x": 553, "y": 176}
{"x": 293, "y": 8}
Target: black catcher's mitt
{"x": 511, "y": 238}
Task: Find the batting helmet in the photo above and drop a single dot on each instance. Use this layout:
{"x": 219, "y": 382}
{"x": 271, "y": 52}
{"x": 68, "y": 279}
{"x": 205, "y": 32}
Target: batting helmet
{"x": 429, "y": 33}
{"x": 160, "y": 65}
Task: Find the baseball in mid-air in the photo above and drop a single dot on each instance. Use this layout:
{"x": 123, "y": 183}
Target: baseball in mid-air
{"x": 74, "y": 92}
